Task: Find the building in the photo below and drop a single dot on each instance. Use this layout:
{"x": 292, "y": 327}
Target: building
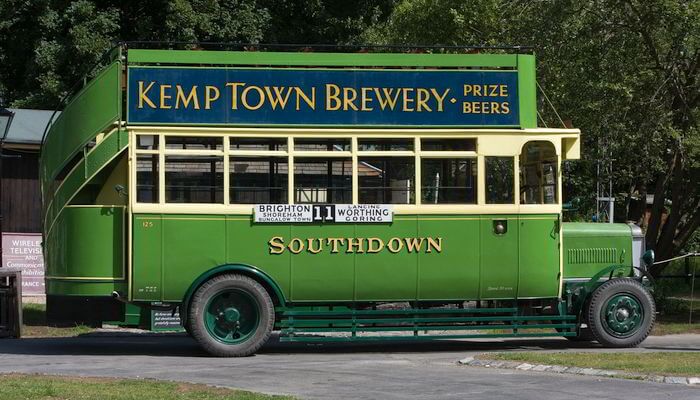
{"x": 20, "y": 196}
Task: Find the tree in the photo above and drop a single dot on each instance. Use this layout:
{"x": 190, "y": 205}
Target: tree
{"x": 47, "y": 46}
{"x": 624, "y": 71}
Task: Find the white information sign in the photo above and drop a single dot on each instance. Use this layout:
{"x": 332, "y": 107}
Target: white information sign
{"x": 331, "y": 213}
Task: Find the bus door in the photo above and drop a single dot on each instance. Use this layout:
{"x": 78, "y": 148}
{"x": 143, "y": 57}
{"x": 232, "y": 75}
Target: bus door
{"x": 539, "y": 232}
{"x": 499, "y": 256}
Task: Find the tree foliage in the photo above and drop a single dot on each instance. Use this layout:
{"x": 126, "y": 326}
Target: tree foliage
{"x": 623, "y": 71}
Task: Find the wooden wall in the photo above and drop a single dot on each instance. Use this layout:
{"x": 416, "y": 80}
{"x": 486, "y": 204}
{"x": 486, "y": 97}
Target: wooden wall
{"x": 21, "y": 197}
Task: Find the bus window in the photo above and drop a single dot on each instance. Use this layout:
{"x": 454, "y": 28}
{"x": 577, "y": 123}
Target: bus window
{"x": 193, "y": 143}
{"x": 147, "y": 178}
{"x": 448, "y": 180}
{"x": 147, "y": 142}
{"x": 462, "y": 144}
{"x": 273, "y": 144}
{"x": 258, "y": 180}
{"x": 386, "y": 180}
{"x": 337, "y": 144}
{"x": 538, "y": 173}
{"x": 323, "y": 180}
{"x": 385, "y": 144}
{"x": 194, "y": 179}
{"x": 500, "y": 182}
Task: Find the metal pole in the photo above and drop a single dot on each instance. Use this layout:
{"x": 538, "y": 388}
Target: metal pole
{"x": 692, "y": 296}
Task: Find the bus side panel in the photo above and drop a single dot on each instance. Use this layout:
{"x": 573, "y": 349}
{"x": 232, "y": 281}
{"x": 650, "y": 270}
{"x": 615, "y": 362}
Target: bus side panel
{"x": 453, "y": 271}
{"x": 499, "y": 257}
{"x": 191, "y": 246}
{"x": 248, "y": 243}
{"x": 148, "y": 258}
{"x": 87, "y": 242}
{"x": 539, "y": 256}
{"x": 386, "y": 275}
{"x": 325, "y": 275}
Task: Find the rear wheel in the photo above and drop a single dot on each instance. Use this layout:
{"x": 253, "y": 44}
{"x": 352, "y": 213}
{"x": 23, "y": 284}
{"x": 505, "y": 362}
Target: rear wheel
{"x": 621, "y": 313}
{"x": 231, "y": 316}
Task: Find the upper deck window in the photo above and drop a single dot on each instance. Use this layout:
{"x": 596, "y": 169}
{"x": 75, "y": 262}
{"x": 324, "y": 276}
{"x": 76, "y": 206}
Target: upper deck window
{"x": 147, "y": 142}
{"x": 385, "y": 144}
{"x": 339, "y": 144}
{"x": 193, "y": 143}
{"x": 258, "y": 144}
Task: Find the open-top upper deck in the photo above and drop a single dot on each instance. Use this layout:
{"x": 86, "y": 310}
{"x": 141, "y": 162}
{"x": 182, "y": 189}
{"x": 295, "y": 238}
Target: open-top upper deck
{"x": 293, "y": 94}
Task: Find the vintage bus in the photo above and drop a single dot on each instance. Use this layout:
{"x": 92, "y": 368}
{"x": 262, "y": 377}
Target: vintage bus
{"x": 327, "y": 196}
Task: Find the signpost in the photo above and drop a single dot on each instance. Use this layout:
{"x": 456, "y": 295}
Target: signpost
{"x": 23, "y": 251}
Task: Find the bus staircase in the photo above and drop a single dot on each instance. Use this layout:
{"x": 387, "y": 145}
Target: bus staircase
{"x": 321, "y": 324}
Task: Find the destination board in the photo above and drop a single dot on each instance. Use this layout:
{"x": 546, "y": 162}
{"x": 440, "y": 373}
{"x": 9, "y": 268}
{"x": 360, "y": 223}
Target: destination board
{"x": 285, "y": 96}
{"x": 323, "y": 213}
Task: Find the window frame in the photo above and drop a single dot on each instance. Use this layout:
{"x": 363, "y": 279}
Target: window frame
{"x": 488, "y": 143}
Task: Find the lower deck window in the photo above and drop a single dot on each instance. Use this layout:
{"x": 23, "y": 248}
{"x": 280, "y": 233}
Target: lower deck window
{"x": 323, "y": 180}
{"x": 448, "y": 181}
{"x": 194, "y": 179}
{"x": 258, "y": 180}
{"x": 386, "y": 180}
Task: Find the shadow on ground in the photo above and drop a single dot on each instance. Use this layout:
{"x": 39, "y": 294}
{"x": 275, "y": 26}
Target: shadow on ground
{"x": 180, "y": 345}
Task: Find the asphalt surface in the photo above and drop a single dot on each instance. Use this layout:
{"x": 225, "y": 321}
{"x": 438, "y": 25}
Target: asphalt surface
{"x": 335, "y": 371}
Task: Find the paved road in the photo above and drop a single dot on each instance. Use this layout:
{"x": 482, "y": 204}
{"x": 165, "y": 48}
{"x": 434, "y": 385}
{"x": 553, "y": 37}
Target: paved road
{"x": 376, "y": 371}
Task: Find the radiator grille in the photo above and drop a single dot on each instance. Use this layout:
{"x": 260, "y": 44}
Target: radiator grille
{"x": 597, "y": 255}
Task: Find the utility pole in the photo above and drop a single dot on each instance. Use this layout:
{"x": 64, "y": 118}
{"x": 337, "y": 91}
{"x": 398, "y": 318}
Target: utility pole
{"x": 605, "y": 201}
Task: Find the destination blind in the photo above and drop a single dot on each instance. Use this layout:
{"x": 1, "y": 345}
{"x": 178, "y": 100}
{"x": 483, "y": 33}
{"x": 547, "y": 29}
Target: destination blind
{"x": 236, "y": 96}
{"x": 325, "y": 213}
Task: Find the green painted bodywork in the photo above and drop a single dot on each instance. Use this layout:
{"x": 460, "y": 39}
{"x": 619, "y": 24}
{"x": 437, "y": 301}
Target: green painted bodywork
{"x": 271, "y": 58}
{"x": 172, "y": 251}
{"x": 87, "y": 169}
{"x": 93, "y": 110}
{"x": 86, "y": 248}
{"x": 590, "y": 248}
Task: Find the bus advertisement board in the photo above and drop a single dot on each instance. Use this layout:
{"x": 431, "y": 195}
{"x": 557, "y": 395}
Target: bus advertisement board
{"x": 322, "y": 97}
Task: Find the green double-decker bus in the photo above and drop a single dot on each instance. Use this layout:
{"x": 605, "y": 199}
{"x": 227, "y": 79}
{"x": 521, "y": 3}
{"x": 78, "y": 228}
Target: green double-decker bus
{"x": 327, "y": 196}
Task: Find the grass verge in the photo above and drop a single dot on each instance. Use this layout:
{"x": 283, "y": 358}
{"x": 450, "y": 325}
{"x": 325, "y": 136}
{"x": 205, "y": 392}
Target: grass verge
{"x": 656, "y": 363}
{"x": 29, "y": 387}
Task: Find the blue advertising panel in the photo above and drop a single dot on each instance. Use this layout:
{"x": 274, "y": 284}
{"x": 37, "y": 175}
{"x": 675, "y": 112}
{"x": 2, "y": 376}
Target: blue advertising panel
{"x": 239, "y": 96}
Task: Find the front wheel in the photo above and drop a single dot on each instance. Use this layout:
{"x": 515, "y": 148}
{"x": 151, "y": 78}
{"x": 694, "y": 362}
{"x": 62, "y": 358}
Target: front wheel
{"x": 621, "y": 313}
{"x": 231, "y": 316}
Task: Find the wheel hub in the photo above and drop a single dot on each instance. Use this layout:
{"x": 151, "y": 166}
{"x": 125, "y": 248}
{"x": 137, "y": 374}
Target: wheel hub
{"x": 622, "y": 315}
{"x": 232, "y": 316}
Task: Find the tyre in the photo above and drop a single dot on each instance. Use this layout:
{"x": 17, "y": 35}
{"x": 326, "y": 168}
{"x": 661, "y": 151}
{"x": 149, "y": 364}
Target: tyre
{"x": 231, "y": 316}
{"x": 621, "y": 313}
